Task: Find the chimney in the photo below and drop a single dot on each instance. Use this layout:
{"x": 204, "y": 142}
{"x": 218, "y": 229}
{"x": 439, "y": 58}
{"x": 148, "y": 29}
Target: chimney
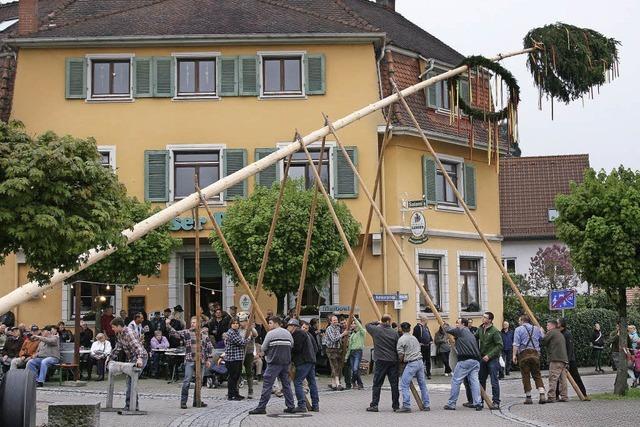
{"x": 388, "y": 4}
{"x": 28, "y": 17}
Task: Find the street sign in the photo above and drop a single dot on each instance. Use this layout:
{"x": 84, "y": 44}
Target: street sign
{"x": 416, "y": 203}
{"x": 418, "y": 228}
{"x": 245, "y": 302}
{"x": 397, "y": 304}
{"x": 564, "y": 299}
{"x": 390, "y": 297}
{"x": 336, "y": 308}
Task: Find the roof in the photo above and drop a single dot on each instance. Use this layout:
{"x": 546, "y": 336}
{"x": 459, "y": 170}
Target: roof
{"x": 528, "y": 188}
{"x": 9, "y": 11}
{"x": 129, "y": 18}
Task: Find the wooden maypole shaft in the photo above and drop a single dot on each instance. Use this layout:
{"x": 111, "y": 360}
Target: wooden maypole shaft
{"x": 198, "y": 312}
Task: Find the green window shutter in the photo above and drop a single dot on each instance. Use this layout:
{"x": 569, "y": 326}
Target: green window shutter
{"x": 228, "y": 79}
{"x": 142, "y": 78}
{"x": 248, "y": 75}
{"x": 234, "y": 160}
{"x": 463, "y": 88}
{"x": 271, "y": 173}
{"x": 163, "y": 77}
{"x": 470, "y": 185}
{"x": 75, "y": 78}
{"x": 315, "y": 74}
{"x": 156, "y": 175}
{"x": 429, "y": 180}
{"x": 346, "y": 182}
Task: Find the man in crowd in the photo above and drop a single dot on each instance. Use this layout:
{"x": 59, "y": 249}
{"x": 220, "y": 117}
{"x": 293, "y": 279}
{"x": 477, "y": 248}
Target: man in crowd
{"x": 125, "y": 316}
{"x": 136, "y": 325}
{"x": 385, "y": 340}
{"x": 206, "y": 352}
{"x": 490, "y": 349}
{"x": 507, "y": 348}
{"x": 218, "y": 326}
{"x": 28, "y": 349}
{"x": 571, "y": 355}
{"x": 105, "y": 324}
{"x": 233, "y": 312}
{"x": 526, "y": 354}
{"x": 64, "y": 334}
{"x": 333, "y": 342}
{"x": 127, "y": 342}
{"x": 48, "y": 354}
{"x": 409, "y": 353}
{"x": 277, "y": 349}
{"x": 468, "y": 364}
{"x": 12, "y": 347}
{"x": 249, "y": 334}
{"x": 423, "y": 335}
{"x": 354, "y": 352}
{"x": 3, "y": 335}
{"x": 557, "y": 354}
{"x": 85, "y": 336}
{"x": 234, "y": 352}
{"x": 303, "y": 356}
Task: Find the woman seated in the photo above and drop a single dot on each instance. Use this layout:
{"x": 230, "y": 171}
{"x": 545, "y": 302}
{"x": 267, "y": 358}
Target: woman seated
{"x": 100, "y": 349}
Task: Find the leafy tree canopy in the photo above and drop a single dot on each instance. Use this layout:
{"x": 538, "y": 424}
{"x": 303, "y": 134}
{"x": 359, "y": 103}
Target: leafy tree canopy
{"x": 246, "y": 227}
{"x": 551, "y": 269}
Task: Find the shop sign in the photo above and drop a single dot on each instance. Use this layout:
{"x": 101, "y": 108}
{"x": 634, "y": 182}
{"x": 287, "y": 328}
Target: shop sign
{"x": 187, "y": 224}
{"x": 418, "y": 228}
{"x": 245, "y": 302}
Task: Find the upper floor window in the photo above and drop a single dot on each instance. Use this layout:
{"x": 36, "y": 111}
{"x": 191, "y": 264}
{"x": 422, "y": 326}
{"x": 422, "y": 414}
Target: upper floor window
{"x": 444, "y": 191}
{"x": 110, "y": 78}
{"x": 107, "y": 156}
{"x": 282, "y": 75}
{"x": 301, "y": 169}
{"x": 196, "y": 77}
{"x": 553, "y": 214}
{"x": 470, "y": 286}
{"x": 205, "y": 163}
{"x": 509, "y": 264}
{"x": 438, "y": 93}
{"x": 429, "y": 269}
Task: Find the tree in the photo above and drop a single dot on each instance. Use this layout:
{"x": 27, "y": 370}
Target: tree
{"x": 58, "y": 201}
{"x": 551, "y": 269}
{"x": 600, "y": 222}
{"x": 246, "y": 227}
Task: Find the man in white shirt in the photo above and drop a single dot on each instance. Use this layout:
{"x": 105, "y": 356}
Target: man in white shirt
{"x": 136, "y": 325}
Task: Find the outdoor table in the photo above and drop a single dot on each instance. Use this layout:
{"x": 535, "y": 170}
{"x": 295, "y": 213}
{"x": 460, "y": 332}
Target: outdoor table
{"x": 177, "y": 358}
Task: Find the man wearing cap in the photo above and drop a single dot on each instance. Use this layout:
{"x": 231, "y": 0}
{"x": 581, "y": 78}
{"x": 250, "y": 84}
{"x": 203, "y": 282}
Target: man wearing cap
{"x": 249, "y": 333}
{"x": 303, "y": 356}
{"x": 12, "y": 347}
{"x": 48, "y": 354}
{"x": 177, "y": 322}
{"x": 28, "y": 349}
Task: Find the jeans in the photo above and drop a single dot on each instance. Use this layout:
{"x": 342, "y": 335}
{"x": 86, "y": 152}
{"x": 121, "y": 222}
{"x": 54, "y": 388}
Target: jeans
{"x": 355, "y": 357}
{"x": 234, "y": 369}
{"x": 306, "y": 371}
{"x": 384, "y": 369}
{"x": 155, "y": 363}
{"x": 270, "y": 374}
{"x": 414, "y": 369}
{"x": 128, "y": 393}
{"x": 426, "y": 357}
{"x": 189, "y": 372}
{"x": 465, "y": 369}
{"x": 444, "y": 356}
{"x": 492, "y": 369}
{"x": 40, "y": 366}
{"x": 597, "y": 355}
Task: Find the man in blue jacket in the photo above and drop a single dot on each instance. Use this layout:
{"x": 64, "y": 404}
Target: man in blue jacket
{"x": 507, "y": 348}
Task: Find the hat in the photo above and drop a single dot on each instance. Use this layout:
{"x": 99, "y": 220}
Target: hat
{"x": 14, "y": 328}
{"x": 178, "y": 308}
{"x": 35, "y": 327}
{"x": 243, "y": 316}
{"x": 167, "y": 310}
{"x": 293, "y": 322}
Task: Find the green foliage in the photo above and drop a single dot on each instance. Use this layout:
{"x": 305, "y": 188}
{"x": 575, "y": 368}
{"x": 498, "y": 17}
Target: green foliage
{"x": 600, "y": 222}
{"x": 56, "y": 200}
{"x": 551, "y": 269}
{"x": 246, "y": 227}
{"x": 141, "y": 258}
{"x": 571, "y": 60}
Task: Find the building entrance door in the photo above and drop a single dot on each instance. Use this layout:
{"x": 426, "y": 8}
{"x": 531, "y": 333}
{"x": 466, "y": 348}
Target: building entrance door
{"x": 210, "y": 284}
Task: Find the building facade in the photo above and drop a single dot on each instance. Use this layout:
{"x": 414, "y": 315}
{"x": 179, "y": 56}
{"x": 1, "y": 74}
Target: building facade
{"x": 171, "y": 89}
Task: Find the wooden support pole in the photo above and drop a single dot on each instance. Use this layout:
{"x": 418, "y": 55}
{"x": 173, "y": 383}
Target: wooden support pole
{"x": 232, "y": 258}
{"x": 486, "y": 243}
{"x": 76, "y": 325}
{"x": 307, "y": 245}
{"x": 198, "y": 362}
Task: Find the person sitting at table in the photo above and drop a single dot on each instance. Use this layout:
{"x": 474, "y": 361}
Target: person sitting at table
{"x": 86, "y": 338}
{"x": 158, "y": 342}
{"x": 100, "y": 349}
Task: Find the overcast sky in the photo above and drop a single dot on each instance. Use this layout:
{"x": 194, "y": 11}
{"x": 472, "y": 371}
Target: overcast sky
{"x": 604, "y": 128}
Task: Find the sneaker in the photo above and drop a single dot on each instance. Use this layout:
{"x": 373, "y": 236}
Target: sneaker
{"x": 372, "y": 409}
{"x": 449, "y": 408}
{"x": 403, "y": 409}
{"x": 258, "y": 411}
{"x": 347, "y": 387}
{"x": 289, "y": 411}
{"x": 39, "y": 384}
{"x": 428, "y": 377}
{"x": 468, "y": 405}
{"x": 425, "y": 409}
{"x": 315, "y": 409}
{"x": 183, "y": 406}
{"x": 528, "y": 400}
{"x": 479, "y": 407}
{"x": 300, "y": 410}
{"x": 340, "y": 388}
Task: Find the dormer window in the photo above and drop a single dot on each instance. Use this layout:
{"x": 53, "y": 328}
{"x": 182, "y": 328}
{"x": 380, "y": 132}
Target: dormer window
{"x": 438, "y": 93}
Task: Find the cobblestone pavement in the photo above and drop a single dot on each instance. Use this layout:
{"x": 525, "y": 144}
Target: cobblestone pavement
{"x": 161, "y": 401}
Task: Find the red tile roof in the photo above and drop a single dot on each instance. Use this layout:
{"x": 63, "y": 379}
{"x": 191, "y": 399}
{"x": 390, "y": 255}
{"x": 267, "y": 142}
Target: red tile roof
{"x": 528, "y": 187}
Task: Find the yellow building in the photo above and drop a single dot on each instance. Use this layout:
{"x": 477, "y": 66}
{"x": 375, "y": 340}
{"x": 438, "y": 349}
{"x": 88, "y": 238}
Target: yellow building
{"x": 172, "y": 88}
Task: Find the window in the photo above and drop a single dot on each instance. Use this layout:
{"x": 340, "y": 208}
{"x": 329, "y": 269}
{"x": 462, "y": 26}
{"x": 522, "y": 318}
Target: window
{"x": 438, "y": 93}
{"x": 429, "y": 270}
{"x": 282, "y": 75}
{"x": 205, "y": 163}
{"x": 444, "y": 192}
{"x": 553, "y": 214}
{"x": 107, "y": 156}
{"x": 93, "y": 298}
{"x": 509, "y": 264}
{"x": 311, "y": 297}
{"x": 470, "y": 289}
{"x": 196, "y": 76}
{"x": 300, "y": 168}
{"x": 110, "y": 78}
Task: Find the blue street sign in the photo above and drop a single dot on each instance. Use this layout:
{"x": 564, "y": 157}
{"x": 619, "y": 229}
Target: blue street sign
{"x": 564, "y": 299}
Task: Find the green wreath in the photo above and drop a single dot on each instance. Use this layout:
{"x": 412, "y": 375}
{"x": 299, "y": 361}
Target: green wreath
{"x": 508, "y": 78}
